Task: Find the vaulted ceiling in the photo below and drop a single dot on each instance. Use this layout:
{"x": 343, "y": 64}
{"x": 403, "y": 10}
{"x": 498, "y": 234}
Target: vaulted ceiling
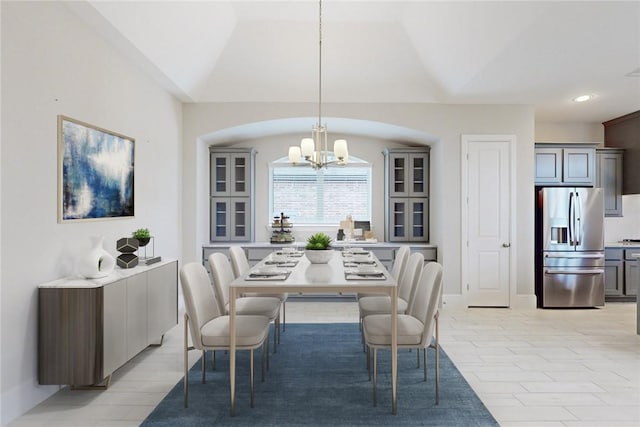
{"x": 476, "y": 52}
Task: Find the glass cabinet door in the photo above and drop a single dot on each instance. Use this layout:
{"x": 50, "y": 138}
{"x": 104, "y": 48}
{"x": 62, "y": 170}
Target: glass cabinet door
{"x": 220, "y": 216}
{"x": 418, "y": 175}
{"x": 239, "y": 218}
{"x": 220, "y": 174}
{"x": 398, "y": 175}
{"x": 240, "y": 175}
{"x": 399, "y": 220}
{"x": 419, "y": 220}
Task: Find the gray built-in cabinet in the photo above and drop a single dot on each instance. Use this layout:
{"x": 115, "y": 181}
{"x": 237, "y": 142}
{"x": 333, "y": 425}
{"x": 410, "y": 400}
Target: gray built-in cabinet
{"x": 621, "y": 276}
{"x": 407, "y": 194}
{"x": 572, "y": 165}
{"x": 231, "y": 194}
{"x": 609, "y": 177}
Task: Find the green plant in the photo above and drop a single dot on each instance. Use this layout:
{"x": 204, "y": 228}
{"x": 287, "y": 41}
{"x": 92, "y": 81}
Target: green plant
{"x": 141, "y": 233}
{"x": 318, "y": 241}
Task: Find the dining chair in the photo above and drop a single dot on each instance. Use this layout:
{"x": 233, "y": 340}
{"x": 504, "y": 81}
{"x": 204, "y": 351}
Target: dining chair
{"x": 241, "y": 266}
{"x": 210, "y": 329}
{"x": 399, "y": 264}
{"x": 381, "y": 304}
{"x": 416, "y": 329}
{"x": 222, "y": 274}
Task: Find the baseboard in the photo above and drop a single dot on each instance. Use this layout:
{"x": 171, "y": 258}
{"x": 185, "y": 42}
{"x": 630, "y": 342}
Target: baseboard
{"x": 459, "y": 301}
{"x": 524, "y": 301}
{"x": 454, "y": 301}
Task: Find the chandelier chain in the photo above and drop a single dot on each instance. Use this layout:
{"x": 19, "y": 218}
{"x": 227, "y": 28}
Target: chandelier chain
{"x": 320, "y": 63}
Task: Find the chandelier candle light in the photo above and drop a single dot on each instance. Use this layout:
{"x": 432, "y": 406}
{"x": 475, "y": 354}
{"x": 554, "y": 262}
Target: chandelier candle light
{"x": 315, "y": 150}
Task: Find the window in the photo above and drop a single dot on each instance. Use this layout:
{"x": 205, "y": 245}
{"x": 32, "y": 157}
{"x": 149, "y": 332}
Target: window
{"x": 325, "y": 196}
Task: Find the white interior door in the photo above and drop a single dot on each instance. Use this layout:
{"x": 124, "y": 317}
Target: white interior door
{"x": 486, "y": 206}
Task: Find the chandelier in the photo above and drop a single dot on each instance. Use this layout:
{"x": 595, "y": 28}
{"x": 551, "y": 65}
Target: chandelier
{"x": 314, "y": 151}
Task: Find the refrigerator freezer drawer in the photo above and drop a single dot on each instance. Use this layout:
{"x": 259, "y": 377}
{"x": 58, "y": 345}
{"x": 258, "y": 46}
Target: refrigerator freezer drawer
{"x": 576, "y": 259}
{"x": 573, "y": 287}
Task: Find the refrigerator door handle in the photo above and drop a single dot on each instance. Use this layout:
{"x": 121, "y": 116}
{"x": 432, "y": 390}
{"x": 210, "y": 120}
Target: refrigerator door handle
{"x": 576, "y": 255}
{"x": 590, "y": 271}
{"x": 578, "y": 216}
{"x": 571, "y": 231}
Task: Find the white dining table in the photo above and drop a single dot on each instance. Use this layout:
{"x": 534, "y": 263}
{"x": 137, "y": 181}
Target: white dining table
{"x": 314, "y": 278}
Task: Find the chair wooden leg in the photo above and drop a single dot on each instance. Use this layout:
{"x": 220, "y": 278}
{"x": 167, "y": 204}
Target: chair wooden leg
{"x": 213, "y": 360}
{"x": 284, "y": 315}
{"x": 275, "y": 335}
{"x": 424, "y": 362}
{"x": 375, "y": 376}
{"x": 186, "y": 360}
{"x": 369, "y": 361}
{"x": 267, "y": 341}
{"x": 262, "y": 356}
{"x": 437, "y": 361}
{"x": 417, "y": 358}
{"x": 204, "y": 364}
{"x": 251, "y": 375}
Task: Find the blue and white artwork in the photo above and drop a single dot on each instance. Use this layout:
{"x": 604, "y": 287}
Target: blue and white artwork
{"x": 96, "y": 172}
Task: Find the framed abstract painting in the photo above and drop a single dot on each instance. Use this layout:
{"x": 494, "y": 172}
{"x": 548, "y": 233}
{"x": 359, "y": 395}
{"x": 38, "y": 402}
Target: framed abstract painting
{"x": 95, "y": 172}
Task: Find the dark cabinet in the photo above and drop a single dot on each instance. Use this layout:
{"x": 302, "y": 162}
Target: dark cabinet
{"x": 624, "y": 132}
{"x": 609, "y": 178}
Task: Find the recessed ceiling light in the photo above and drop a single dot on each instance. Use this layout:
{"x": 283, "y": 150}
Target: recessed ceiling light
{"x": 582, "y": 98}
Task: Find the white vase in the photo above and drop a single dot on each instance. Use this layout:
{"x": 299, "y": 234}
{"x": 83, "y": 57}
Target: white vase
{"x": 96, "y": 262}
{"x": 316, "y": 256}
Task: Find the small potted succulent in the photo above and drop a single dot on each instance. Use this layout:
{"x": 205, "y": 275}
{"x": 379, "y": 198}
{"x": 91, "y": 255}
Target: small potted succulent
{"x": 318, "y": 249}
{"x": 143, "y": 235}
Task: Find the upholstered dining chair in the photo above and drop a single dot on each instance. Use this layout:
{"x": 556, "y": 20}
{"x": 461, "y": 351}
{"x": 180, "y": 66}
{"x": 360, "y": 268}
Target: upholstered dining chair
{"x": 415, "y": 329}
{"x": 222, "y": 274}
{"x": 381, "y": 304}
{"x": 210, "y": 329}
{"x": 399, "y": 264}
{"x": 240, "y": 265}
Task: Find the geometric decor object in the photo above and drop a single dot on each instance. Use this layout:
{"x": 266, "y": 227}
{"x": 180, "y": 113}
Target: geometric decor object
{"x": 127, "y": 260}
{"x": 127, "y": 245}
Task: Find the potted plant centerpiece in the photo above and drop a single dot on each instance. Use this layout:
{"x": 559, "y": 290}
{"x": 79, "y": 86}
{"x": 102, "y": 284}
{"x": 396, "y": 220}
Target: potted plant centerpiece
{"x": 143, "y": 235}
{"x": 318, "y": 249}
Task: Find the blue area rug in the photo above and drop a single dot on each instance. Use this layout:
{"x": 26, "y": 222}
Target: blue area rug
{"x": 319, "y": 377}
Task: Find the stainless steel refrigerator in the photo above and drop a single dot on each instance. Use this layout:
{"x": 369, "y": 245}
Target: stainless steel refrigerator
{"x": 569, "y": 247}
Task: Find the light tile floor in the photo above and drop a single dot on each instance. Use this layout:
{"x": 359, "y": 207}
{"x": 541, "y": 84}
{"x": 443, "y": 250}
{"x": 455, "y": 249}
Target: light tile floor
{"x": 537, "y": 368}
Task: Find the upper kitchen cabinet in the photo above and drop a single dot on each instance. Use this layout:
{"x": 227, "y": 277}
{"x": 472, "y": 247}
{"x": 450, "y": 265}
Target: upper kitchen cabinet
{"x": 565, "y": 165}
{"x": 231, "y": 194}
{"x": 609, "y": 178}
{"x": 624, "y": 132}
{"x": 407, "y": 194}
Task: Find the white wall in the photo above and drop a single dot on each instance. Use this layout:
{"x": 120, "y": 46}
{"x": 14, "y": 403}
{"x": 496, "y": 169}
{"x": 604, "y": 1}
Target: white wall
{"x": 445, "y": 122}
{"x": 569, "y": 132}
{"x": 628, "y": 225}
{"x": 54, "y": 64}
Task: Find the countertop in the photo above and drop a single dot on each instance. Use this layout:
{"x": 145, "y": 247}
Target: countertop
{"x": 334, "y": 243}
{"x": 117, "y": 274}
{"x": 622, "y": 245}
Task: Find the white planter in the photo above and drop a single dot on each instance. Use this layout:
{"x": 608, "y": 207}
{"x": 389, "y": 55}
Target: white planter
{"x": 318, "y": 256}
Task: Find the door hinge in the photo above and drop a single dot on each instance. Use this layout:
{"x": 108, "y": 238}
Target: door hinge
{"x": 467, "y": 287}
